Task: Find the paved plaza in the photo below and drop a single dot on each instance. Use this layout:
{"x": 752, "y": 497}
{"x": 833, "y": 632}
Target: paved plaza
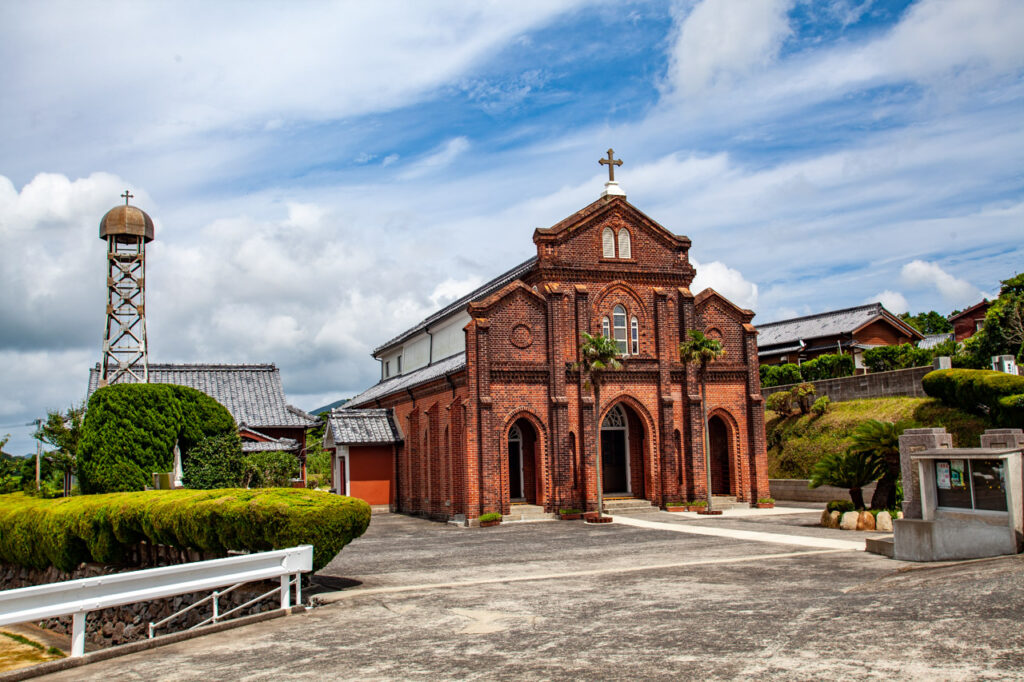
{"x": 655, "y": 596}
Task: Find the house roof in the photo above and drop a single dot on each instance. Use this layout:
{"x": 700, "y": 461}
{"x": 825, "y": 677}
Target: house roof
{"x": 983, "y": 305}
{"x": 253, "y": 394}
{"x": 475, "y": 295}
{"x": 449, "y": 365}
{"x": 831, "y": 323}
{"x": 254, "y": 441}
{"x": 362, "y": 427}
{"x": 932, "y": 340}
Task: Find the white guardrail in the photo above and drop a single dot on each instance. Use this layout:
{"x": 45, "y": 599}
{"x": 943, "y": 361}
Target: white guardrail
{"x": 79, "y": 597}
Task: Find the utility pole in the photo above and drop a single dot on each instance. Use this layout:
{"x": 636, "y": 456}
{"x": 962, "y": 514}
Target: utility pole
{"x": 39, "y": 449}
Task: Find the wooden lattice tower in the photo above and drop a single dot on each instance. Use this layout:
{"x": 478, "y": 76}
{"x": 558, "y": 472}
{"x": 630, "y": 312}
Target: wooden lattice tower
{"x": 127, "y": 230}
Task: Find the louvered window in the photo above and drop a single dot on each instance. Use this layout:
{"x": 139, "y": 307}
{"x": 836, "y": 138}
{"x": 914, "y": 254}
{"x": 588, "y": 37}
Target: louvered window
{"x": 608, "y": 243}
{"x": 625, "y": 250}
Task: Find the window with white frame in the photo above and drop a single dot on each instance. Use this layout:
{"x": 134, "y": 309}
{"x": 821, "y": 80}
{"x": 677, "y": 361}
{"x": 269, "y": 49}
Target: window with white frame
{"x": 608, "y": 243}
{"x": 634, "y": 336}
{"x": 606, "y": 328}
{"x": 619, "y": 323}
{"x": 625, "y": 248}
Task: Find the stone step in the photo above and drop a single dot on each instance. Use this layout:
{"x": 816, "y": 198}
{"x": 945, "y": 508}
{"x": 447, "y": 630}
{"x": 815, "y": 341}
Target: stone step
{"x": 724, "y": 502}
{"x": 627, "y": 505}
{"x": 881, "y": 545}
{"x": 526, "y": 512}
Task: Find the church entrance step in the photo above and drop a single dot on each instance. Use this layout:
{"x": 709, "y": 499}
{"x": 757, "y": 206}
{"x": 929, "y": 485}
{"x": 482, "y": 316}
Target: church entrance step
{"x": 622, "y": 506}
{"x": 724, "y": 502}
{"x": 526, "y": 512}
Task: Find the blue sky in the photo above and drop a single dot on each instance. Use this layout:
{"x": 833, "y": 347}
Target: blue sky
{"x": 323, "y": 175}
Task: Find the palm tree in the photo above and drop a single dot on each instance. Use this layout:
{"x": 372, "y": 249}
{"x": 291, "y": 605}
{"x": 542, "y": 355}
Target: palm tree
{"x": 597, "y": 354}
{"x": 852, "y": 470}
{"x": 881, "y": 439}
{"x": 702, "y": 351}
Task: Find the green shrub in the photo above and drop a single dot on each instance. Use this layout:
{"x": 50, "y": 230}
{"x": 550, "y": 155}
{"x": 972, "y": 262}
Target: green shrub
{"x": 780, "y": 375}
{"x": 803, "y": 394}
{"x": 840, "y": 506}
{"x": 490, "y": 516}
{"x": 828, "y": 366}
{"x": 65, "y": 532}
{"x": 904, "y": 356}
{"x": 781, "y": 402}
{"x": 271, "y": 469}
{"x": 820, "y": 405}
{"x": 980, "y": 391}
{"x": 215, "y": 462}
{"x": 130, "y": 431}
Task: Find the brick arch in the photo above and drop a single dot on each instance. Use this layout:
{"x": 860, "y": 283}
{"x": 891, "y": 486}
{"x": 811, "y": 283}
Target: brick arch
{"x": 649, "y": 454}
{"x": 620, "y": 292}
{"x": 732, "y": 433}
{"x": 621, "y": 285}
{"x": 543, "y": 486}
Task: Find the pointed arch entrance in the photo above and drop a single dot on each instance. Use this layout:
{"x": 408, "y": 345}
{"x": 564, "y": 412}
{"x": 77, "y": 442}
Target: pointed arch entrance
{"x": 721, "y": 459}
{"x": 522, "y": 462}
{"x": 623, "y": 443}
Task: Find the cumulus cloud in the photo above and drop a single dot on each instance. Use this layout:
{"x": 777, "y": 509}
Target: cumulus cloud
{"x": 893, "y": 301}
{"x": 726, "y": 281}
{"x": 954, "y": 291}
{"x": 720, "y": 41}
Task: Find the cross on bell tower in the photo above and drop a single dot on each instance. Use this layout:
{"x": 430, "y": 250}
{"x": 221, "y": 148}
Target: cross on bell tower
{"x": 611, "y": 188}
{"x": 126, "y": 229}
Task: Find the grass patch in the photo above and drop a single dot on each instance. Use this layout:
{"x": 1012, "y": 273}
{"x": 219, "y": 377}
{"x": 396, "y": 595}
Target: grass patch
{"x": 797, "y": 442}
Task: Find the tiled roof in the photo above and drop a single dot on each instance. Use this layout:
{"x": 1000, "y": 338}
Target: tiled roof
{"x": 370, "y": 426}
{"x": 475, "y": 295}
{"x": 404, "y": 381}
{"x": 830, "y": 323}
{"x": 282, "y": 444}
{"x": 251, "y": 393}
{"x": 932, "y": 340}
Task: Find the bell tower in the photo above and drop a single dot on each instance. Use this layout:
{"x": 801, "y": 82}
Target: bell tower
{"x": 127, "y": 230}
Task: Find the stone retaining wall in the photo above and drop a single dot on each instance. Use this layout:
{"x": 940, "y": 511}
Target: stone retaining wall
{"x": 900, "y": 382}
{"x": 130, "y": 622}
{"x": 796, "y": 489}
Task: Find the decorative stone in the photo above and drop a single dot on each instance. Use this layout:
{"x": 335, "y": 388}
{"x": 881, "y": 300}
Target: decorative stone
{"x": 899, "y": 515}
{"x": 848, "y": 521}
{"x": 833, "y": 519}
{"x": 883, "y": 521}
{"x": 865, "y": 521}
{"x": 826, "y": 516}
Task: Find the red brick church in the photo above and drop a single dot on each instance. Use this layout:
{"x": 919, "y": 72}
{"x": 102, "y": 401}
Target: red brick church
{"x": 482, "y": 408}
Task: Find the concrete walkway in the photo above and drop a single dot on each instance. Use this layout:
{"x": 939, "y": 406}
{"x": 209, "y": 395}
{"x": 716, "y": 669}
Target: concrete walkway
{"x": 746, "y": 535}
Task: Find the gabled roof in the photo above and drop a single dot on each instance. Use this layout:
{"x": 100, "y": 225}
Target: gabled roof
{"x": 361, "y": 427}
{"x": 983, "y": 305}
{"x": 254, "y": 441}
{"x": 253, "y": 394}
{"x": 831, "y": 323}
{"x": 449, "y": 365}
{"x": 593, "y": 211}
{"x": 703, "y": 297}
{"x": 475, "y": 295}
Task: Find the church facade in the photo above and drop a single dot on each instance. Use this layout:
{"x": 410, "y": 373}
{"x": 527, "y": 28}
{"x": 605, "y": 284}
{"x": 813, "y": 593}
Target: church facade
{"x": 489, "y": 411}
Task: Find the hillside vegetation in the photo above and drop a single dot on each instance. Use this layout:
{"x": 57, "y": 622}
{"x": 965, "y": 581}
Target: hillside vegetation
{"x": 796, "y": 442}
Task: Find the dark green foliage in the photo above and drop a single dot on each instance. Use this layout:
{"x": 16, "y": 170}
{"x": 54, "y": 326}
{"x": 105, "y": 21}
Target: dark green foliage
{"x": 781, "y": 402}
{"x": 1003, "y": 333}
{"x": 820, "y": 405}
{"x": 215, "y": 462}
{"x": 130, "y": 431}
{"x": 803, "y": 396}
{"x": 828, "y": 366}
{"x": 851, "y": 470}
{"x": 66, "y": 532}
{"x": 780, "y": 375}
{"x": 904, "y": 356}
{"x": 63, "y": 430}
{"x": 930, "y": 322}
{"x": 490, "y": 516}
{"x": 881, "y": 439}
{"x": 998, "y": 395}
{"x": 271, "y": 469}
{"x": 839, "y": 506}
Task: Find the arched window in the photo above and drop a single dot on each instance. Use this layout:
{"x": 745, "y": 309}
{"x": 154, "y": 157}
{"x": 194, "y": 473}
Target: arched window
{"x": 619, "y": 321}
{"x": 606, "y": 328}
{"x": 625, "y": 250}
{"x": 608, "y": 243}
{"x": 634, "y": 336}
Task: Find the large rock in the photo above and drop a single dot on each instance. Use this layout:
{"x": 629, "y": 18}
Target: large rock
{"x": 849, "y": 520}
{"x": 833, "y": 519}
{"x": 826, "y": 515}
{"x": 865, "y": 521}
{"x": 883, "y": 521}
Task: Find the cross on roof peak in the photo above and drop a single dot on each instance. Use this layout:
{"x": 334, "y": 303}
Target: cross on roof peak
{"x": 126, "y": 196}
{"x": 611, "y": 162}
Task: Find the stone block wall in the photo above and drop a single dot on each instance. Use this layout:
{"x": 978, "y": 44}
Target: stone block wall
{"x": 900, "y": 382}
{"x": 796, "y": 490}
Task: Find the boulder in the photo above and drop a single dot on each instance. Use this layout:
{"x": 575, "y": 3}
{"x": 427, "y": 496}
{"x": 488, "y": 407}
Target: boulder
{"x": 884, "y": 521}
{"x": 826, "y": 515}
{"x": 865, "y": 521}
{"x": 899, "y": 515}
{"x": 848, "y": 521}
{"x": 833, "y": 519}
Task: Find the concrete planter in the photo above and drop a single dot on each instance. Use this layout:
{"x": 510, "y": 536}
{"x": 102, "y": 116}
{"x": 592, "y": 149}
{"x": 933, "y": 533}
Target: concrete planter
{"x": 571, "y": 517}
{"x": 488, "y": 524}
{"x": 765, "y": 505}
{"x": 674, "y": 508}
{"x": 696, "y": 507}
{"x": 592, "y": 517}
{"x": 709, "y": 512}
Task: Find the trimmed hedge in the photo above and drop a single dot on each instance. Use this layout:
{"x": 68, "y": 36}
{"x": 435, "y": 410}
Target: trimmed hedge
{"x": 981, "y": 391}
{"x": 65, "y": 532}
{"x": 130, "y": 431}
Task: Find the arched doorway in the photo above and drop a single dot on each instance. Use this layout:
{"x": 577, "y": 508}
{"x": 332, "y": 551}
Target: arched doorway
{"x": 522, "y": 462}
{"x": 718, "y": 439}
{"x": 622, "y": 448}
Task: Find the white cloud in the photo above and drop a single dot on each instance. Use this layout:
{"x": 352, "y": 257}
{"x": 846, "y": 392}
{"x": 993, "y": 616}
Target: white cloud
{"x": 954, "y": 291}
{"x": 438, "y": 159}
{"x": 720, "y": 41}
{"x": 726, "y": 281}
{"x": 453, "y": 289}
{"x": 893, "y": 301}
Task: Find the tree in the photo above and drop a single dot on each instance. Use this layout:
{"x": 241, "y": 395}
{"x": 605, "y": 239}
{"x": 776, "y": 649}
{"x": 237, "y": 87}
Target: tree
{"x": 1003, "y": 332}
{"x": 597, "y": 355}
{"x": 63, "y": 430}
{"x": 851, "y": 470}
{"x": 881, "y": 440}
{"x": 930, "y": 322}
{"x": 702, "y": 351}
{"x": 269, "y": 469}
{"x": 215, "y": 462}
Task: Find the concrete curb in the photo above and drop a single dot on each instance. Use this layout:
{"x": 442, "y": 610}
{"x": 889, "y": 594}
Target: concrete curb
{"x": 144, "y": 645}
